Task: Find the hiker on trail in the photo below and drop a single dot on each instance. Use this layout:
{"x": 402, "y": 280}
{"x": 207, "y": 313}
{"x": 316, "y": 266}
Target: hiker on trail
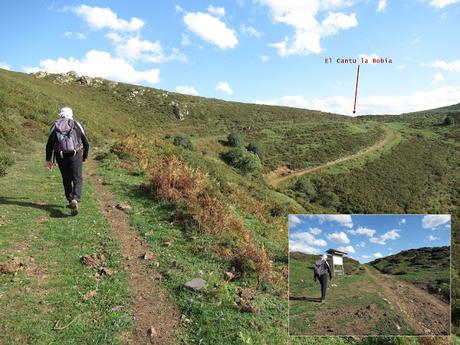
{"x": 321, "y": 271}
{"x": 68, "y": 146}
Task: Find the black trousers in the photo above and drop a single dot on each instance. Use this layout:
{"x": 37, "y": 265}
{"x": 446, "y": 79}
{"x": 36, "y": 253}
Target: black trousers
{"x": 323, "y": 282}
{"x": 72, "y": 178}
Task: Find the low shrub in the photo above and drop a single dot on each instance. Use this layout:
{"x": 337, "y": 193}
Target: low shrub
{"x": 243, "y": 160}
{"x": 255, "y": 148}
{"x": 5, "y": 161}
{"x": 196, "y": 193}
{"x": 235, "y": 139}
{"x": 184, "y": 141}
{"x": 306, "y": 188}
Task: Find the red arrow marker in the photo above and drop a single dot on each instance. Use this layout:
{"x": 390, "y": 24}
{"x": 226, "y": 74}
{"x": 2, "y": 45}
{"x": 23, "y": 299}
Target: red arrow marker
{"x": 356, "y": 91}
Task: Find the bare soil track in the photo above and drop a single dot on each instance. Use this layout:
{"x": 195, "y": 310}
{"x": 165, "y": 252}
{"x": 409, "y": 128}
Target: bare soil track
{"x": 282, "y": 174}
{"x": 425, "y": 313}
{"x": 156, "y": 319}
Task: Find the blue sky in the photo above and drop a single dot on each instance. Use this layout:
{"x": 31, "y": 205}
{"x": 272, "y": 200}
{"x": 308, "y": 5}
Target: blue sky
{"x": 266, "y": 51}
{"x": 367, "y": 237}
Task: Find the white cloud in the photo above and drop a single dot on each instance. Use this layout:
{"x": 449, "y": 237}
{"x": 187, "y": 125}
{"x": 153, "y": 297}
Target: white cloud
{"x": 76, "y": 35}
{"x": 217, "y": 11}
{"x": 104, "y": 18}
{"x": 315, "y": 231}
{"x": 224, "y": 87}
{"x": 363, "y": 231}
{"x": 377, "y": 255}
{"x": 4, "y": 65}
{"x": 361, "y": 244}
{"x": 293, "y": 220}
{"x": 301, "y": 15}
{"x": 299, "y": 247}
{"x": 99, "y": 64}
{"x": 431, "y": 238}
{"x": 211, "y": 29}
{"x": 249, "y": 30}
{"x": 339, "y": 237}
{"x": 374, "y": 105}
{"x": 434, "y": 220}
{"x": 178, "y": 8}
{"x": 264, "y": 58}
{"x": 343, "y": 219}
{"x": 347, "y": 249}
{"x": 185, "y": 41}
{"x": 443, "y": 3}
{"x": 382, "y": 5}
{"x": 389, "y": 235}
{"x": 437, "y": 78}
{"x": 187, "y": 90}
{"x": 402, "y": 221}
{"x": 365, "y": 256}
{"x": 136, "y": 49}
{"x": 453, "y": 66}
{"x": 307, "y": 239}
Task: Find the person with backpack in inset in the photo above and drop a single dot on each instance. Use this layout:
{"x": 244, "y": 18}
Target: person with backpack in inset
{"x": 321, "y": 271}
{"x": 69, "y": 147}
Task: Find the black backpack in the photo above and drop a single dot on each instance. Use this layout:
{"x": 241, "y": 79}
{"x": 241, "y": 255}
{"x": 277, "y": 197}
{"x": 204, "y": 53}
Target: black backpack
{"x": 66, "y": 137}
{"x": 320, "y": 268}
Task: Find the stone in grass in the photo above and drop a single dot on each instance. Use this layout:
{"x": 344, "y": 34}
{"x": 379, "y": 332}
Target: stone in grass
{"x": 88, "y": 295}
{"x": 122, "y": 206}
{"x": 196, "y": 284}
{"x": 152, "y": 333}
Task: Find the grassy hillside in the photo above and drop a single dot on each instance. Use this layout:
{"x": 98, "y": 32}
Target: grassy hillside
{"x": 428, "y": 268}
{"x": 135, "y": 129}
{"x": 355, "y": 304}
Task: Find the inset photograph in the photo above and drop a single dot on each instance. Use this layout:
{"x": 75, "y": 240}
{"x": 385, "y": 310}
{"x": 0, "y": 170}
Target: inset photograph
{"x": 362, "y": 275}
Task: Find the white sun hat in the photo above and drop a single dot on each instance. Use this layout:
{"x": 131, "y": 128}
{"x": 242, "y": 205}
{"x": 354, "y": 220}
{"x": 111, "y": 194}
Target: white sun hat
{"x": 66, "y": 113}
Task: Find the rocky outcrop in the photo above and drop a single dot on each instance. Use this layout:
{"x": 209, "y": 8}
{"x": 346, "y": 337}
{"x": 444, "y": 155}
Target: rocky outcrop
{"x": 180, "y": 110}
{"x": 40, "y": 74}
{"x": 66, "y": 78}
{"x": 89, "y": 81}
{"x": 133, "y": 93}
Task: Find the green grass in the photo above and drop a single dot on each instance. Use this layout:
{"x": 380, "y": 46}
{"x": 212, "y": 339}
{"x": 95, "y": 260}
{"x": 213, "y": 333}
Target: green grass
{"x": 416, "y": 173}
{"x": 213, "y": 313}
{"x": 428, "y": 268}
{"x": 351, "y": 292}
{"x": 47, "y": 294}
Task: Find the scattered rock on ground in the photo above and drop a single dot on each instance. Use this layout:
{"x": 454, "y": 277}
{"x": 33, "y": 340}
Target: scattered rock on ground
{"x": 244, "y": 299}
{"x": 196, "y": 284}
{"x": 40, "y": 74}
{"x": 152, "y": 333}
{"x": 147, "y": 256}
{"x": 88, "y": 295}
{"x": 230, "y": 276}
{"x": 122, "y": 206}
{"x": 93, "y": 260}
{"x": 66, "y": 78}
{"x": 106, "y": 271}
{"x": 12, "y": 266}
{"x": 180, "y": 110}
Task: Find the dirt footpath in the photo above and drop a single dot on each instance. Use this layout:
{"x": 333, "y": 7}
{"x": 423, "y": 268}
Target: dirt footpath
{"x": 155, "y": 318}
{"x": 425, "y": 313}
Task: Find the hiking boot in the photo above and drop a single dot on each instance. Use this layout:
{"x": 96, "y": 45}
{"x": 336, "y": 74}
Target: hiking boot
{"x": 323, "y": 301}
{"x": 74, "y": 207}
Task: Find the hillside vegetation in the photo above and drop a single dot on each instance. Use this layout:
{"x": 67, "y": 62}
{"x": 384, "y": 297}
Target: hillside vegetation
{"x": 222, "y": 217}
{"x": 428, "y": 268}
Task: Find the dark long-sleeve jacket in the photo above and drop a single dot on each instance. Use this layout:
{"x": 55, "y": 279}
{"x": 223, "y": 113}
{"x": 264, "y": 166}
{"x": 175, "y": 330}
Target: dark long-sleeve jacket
{"x": 328, "y": 269}
{"x": 81, "y": 135}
